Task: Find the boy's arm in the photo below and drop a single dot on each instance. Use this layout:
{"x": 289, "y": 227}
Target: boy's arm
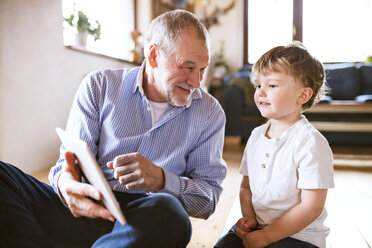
{"x": 246, "y": 199}
{"x": 248, "y": 223}
{"x": 296, "y": 219}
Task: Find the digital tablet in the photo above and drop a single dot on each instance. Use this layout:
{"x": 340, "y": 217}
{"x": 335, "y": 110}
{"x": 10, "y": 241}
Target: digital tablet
{"x": 92, "y": 172}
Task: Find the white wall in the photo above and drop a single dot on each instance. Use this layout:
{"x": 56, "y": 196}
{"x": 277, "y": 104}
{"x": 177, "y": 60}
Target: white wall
{"x": 38, "y": 80}
{"x": 230, "y": 30}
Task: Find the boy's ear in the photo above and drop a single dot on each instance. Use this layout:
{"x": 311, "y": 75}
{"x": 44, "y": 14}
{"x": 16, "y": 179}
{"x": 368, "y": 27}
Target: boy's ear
{"x": 305, "y": 95}
{"x": 152, "y": 56}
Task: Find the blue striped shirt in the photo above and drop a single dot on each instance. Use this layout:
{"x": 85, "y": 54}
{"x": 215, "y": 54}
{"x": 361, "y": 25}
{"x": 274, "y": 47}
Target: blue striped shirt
{"x": 111, "y": 114}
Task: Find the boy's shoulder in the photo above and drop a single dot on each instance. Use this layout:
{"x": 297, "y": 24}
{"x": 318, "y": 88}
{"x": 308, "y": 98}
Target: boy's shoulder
{"x": 305, "y": 132}
{"x": 260, "y": 128}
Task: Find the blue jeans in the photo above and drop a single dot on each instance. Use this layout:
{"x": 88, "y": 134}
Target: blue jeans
{"x": 231, "y": 240}
{"x": 32, "y": 215}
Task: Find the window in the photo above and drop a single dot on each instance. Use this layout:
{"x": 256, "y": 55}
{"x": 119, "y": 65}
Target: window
{"x": 332, "y": 30}
{"x": 269, "y": 25}
{"x": 338, "y": 30}
{"x": 116, "y": 19}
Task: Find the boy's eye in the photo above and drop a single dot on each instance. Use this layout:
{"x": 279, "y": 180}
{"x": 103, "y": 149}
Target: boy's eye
{"x": 258, "y": 86}
{"x": 272, "y": 86}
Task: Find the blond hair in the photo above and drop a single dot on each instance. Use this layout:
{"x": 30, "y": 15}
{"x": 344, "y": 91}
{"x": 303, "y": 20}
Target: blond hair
{"x": 296, "y": 61}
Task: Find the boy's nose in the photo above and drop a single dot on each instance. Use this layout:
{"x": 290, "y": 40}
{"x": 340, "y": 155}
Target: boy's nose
{"x": 261, "y": 91}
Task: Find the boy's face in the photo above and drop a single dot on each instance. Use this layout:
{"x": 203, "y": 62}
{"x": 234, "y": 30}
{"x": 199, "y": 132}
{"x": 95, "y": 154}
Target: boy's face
{"x": 278, "y": 95}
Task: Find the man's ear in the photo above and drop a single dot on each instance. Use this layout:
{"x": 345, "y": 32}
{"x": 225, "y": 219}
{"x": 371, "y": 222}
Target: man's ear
{"x": 305, "y": 95}
{"x": 152, "y": 56}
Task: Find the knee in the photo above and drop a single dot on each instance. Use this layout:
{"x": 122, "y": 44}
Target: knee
{"x": 8, "y": 176}
{"x": 167, "y": 219}
{"x": 170, "y": 211}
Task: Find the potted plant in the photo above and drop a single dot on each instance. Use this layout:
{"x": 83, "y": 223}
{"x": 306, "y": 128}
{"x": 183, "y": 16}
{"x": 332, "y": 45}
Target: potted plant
{"x": 83, "y": 27}
{"x": 368, "y": 59}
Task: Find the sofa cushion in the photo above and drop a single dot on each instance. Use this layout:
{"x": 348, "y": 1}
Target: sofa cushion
{"x": 240, "y": 74}
{"x": 364, "y": 98}
{"x": 344, "y": 80}
{"x": 247, "y": 87}
{"x": 366, "y": 71}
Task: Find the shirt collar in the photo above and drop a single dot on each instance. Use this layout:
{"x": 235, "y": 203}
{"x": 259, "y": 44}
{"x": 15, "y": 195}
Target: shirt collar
{"x": 196, "y": 94}
{"x": 139, "y": 83}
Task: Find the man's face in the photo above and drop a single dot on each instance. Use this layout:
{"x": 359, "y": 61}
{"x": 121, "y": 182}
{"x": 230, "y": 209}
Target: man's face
{"x": 179, "y": 74}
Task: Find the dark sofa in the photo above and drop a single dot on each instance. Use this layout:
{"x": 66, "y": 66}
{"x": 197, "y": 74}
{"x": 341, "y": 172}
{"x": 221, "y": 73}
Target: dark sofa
{"x": 349, "y": 83}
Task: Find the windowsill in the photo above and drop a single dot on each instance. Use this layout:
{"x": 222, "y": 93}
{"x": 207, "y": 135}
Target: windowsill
{"x": 84, "y": 50}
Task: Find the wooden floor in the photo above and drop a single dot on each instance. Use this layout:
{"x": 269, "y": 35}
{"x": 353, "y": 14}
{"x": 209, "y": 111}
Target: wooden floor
{"x": 349, "y": 204}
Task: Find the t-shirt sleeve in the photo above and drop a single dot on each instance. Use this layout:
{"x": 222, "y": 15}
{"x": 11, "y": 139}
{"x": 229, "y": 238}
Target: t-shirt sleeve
{"x": 315, "y": 161}
{"x": 243, "y": 165}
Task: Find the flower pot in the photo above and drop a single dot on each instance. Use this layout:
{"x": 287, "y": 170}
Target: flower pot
{"x": 81, "y": 39}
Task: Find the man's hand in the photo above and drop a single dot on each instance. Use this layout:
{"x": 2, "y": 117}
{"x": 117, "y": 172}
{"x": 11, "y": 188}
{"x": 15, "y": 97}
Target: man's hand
{"x": 245, "y": 225}
{"x": 76, "y": 193}
{"x": 137, "y": 173}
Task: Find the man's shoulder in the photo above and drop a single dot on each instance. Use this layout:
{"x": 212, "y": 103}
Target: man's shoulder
{"x": 113, "y": 72}
{"x": 208, "y": 100}
{"x": 111, "y": 77}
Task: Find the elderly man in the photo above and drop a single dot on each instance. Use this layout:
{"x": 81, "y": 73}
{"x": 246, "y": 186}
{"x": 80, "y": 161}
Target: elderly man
{"x": 158, "y": 139}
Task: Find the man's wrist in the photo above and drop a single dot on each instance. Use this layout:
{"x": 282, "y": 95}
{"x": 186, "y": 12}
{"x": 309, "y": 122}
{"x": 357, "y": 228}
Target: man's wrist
{"x": 162, "y": 180}
{"x": 172, "y": 183}
{"x": 59, "y": 191}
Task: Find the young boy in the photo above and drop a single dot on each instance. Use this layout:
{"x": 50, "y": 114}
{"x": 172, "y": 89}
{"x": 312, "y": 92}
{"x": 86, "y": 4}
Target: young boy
{"x": 287, "y": 164}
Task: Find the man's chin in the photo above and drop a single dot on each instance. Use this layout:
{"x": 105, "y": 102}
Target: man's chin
{"x": 178, "y": 102}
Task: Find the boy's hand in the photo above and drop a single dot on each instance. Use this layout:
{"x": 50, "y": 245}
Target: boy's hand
{"x": 255, "y": 239}
{"x": 245, "y": 225}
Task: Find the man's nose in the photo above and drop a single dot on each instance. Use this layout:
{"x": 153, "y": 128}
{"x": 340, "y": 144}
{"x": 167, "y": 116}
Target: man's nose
{"x": 195, "y": 79}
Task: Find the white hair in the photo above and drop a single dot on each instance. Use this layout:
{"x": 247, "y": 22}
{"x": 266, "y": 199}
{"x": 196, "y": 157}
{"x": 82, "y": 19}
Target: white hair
{"x": 166, "y": 29}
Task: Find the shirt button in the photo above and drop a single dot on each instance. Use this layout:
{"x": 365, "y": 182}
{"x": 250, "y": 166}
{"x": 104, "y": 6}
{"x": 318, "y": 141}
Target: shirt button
{"x": 267, "y": 155}
{"x": 263, "y": 166}
{"x": 148, "y": 108}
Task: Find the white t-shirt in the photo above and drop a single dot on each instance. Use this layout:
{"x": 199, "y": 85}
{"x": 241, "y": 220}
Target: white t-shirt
{"x": 157, "y": 110}
{"x": 279, "y": 168}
